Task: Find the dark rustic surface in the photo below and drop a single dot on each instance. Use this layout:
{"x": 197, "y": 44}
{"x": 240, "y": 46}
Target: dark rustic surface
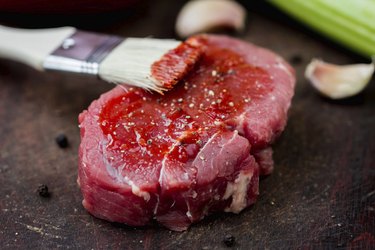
{"x": 321, "y": 195}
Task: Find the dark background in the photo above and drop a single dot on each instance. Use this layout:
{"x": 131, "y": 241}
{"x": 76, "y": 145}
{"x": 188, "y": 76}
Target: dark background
{"x": 321, "y": 195}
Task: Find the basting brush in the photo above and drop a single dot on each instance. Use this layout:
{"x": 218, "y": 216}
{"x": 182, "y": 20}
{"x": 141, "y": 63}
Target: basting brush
{"x": 152, "y": 64}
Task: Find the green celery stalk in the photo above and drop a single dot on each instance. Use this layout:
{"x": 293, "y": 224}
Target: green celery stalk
{"x": 349, "y": 22}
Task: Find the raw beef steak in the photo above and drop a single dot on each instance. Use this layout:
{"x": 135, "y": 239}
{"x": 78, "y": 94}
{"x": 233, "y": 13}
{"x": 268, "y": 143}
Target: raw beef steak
{"x": 198, "y": 149}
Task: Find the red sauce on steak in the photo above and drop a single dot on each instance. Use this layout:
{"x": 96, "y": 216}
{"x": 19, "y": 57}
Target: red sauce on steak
{"x": 180, "y": 122}
{"x": 196, "y": 150}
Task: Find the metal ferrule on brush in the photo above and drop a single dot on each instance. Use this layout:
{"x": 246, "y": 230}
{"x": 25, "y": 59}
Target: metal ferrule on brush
{"x": 82, "y": 52}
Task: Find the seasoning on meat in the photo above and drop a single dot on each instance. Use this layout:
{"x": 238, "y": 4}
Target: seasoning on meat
{"x": 175, "y": 162}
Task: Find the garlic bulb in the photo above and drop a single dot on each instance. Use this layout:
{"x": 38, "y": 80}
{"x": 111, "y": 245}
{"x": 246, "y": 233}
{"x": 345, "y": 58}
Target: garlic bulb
{"x": 204, "y": 15}
{"x": 339, "y": 81}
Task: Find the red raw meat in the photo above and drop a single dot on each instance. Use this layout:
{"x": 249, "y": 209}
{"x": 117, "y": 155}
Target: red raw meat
{"x": 198, "y": 149}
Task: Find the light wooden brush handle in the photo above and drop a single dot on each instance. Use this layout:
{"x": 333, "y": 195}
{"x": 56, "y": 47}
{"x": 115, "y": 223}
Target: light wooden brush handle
{"x": 31, "y": 46}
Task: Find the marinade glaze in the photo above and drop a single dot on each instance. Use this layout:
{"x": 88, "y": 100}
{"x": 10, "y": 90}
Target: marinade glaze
{"x": 197, "y": 149}
{"x": 178, "y": 124}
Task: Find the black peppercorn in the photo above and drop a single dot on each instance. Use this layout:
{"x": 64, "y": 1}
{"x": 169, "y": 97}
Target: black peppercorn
{"x": 62, "y": 141}
{"x": 43, "y": 190}
{"x": 229, "y": 240}
{"x": 296, "y": 59}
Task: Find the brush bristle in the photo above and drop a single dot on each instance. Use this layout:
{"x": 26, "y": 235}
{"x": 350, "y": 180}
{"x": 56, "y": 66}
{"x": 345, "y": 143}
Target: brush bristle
{"x": 130, "y": 62}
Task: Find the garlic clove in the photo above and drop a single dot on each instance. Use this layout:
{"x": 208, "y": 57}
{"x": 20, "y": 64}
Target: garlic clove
{"x": 204, "y": 15}
{"x": 339, "y": 81}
